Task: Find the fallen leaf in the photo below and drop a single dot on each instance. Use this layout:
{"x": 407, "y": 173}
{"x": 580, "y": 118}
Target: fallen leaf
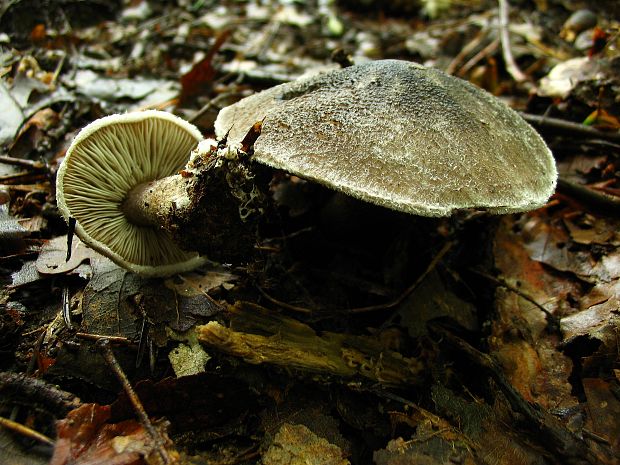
{"x": 297, "y": 445}
{"x": 434, "y": 299}
{"x": 520, "y": 341}
{"x": 86, "y": 437}
{"x": 52, "y": 258}
{"x": 602, "y": 119}
{"x": 597, "y": 321}
{"x": 10, "y": 228}
{"x": 603, "y": 411}
{"x": 565, "y": 76}
{"x": 33, "y": 132}
{"x": 195, "y": 284}
{"x": 548, "y": 242}
{"x": 197, "y": 80}
{"x": 106, "y": 304}
{"x": 11, "y": 116}
{"x": 109, "y": 89}
{"x": 188, "y": 359}
{"x": 589, "y": 230}
{"x": 27, "y": 274}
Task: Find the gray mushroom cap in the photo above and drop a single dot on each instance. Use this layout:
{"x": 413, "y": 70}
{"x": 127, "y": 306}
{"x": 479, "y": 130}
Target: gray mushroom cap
{"x": 399, "y": 135}
{"x": 107, "y": 159}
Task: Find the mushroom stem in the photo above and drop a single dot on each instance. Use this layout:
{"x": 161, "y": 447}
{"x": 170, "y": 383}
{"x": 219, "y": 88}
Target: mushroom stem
{"x": 150, "y": 203}
{"x": 213, "y": 208}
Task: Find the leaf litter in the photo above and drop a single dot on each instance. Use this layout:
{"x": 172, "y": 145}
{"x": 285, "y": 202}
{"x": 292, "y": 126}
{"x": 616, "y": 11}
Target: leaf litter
{"x": 327, "y": 351}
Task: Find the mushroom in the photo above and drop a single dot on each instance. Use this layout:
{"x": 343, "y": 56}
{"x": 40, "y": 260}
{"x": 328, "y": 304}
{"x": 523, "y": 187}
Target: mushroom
{"x": 399, "y": 135}
{"x": 106, "y": 173}
{"x": 389, "y": 132}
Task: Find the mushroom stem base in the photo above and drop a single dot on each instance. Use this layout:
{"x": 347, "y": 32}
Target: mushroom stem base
{"x": 150, "y": 203}
{"x": 213, "y": 209}
{"x": 226, "y": 202}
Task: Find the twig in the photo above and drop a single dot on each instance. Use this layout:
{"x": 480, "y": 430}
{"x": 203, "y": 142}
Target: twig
{"x": 34, "y": 391}
{"x": 25, "y": 431}
{"x": 210, "y": 104}
{"x": 284, "y": 305}
{"x": 35, "y": 165}
{"x": 431, "y": 266}
{"x": 24, "y": 177}
{"x": 465, "y": 51}
{"x": 97, "y": 337}
{"x": 552, "y": 320}
{"x": 511, "y": 65}
{"x": 371, "y": 308}
{"x": 35, "y": 188}
{"x": 108, "y": 355}
{"x": 571, "y": 127}
{"x": 58, "y": 69}
{"x": 485, "y": 52}
{"x": 608, "y": 204}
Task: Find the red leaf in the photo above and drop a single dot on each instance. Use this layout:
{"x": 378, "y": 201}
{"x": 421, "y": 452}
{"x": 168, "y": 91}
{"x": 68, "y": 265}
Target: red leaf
{"x": 200, "y": 77}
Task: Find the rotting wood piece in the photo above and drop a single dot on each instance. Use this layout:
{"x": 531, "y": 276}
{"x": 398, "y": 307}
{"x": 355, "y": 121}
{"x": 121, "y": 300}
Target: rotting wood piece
{"x": 260, "y": 336}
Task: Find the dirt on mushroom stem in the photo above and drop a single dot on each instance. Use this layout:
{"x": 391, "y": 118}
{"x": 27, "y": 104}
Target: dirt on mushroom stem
{"x": 148, "y": 204}
{"x": 212, "y": 207}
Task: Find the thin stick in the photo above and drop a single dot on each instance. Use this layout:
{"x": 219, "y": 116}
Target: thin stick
{"x": 108, "y": 355}
{"x": 98, "y": 337}
{"x": 601, "y": 201}
{"x": 210, "y": 104}
{"x": 284, "y": 305}
{"x": 485, "y": 52}
{"x": 35, "y": 165}
{"x": 371, "y": 308}
{"x": 551, "y": 319}
{"x": 431, "y": 266}
{"x": 465, "y": 51}
{"x": 571, "y": 127}
{"x": 25, "y": 431}
{"x": 511, "y": 65}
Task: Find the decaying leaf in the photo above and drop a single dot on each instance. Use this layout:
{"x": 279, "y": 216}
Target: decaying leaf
{"x": 33, "y": 132}
{"x": 141, "y": 90}
{"x": 25, "y": 275}
{"x": 11, "y": 116}
{"x": 520, "y": 338}
{"x": 188, "y": 359}
{"x": 604, "y": 411}
{"x": 297, "y": 445}
{"x": 10, "y": 228}
{"x": 434, "y": 299}
{"x": 53, "y": 256}
{"x": 106, "y": 305}
{"x": 86, "y": 437}
{"x": 195, "y": 284}
{"x": 565, "y": 76}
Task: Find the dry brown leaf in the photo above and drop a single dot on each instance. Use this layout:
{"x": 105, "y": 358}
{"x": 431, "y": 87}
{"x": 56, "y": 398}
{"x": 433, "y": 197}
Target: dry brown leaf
{"x": 86, "y": 437}
{"x": 52, "y": 259}
{"x": 297, "y": 445}
{"x": 528, "y": 352}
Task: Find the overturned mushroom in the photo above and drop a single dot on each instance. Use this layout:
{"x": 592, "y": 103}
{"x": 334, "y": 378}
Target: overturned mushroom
{"x": 389, "y": 132}
{"x": 105, "y": 174}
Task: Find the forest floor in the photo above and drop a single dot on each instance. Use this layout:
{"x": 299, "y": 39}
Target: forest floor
{"x": 351, "y": 334}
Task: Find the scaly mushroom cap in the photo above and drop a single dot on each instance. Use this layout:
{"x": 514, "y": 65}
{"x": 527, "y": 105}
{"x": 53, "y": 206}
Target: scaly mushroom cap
{"x": 107, "y": 159}
{"x": 399, "y": 135}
